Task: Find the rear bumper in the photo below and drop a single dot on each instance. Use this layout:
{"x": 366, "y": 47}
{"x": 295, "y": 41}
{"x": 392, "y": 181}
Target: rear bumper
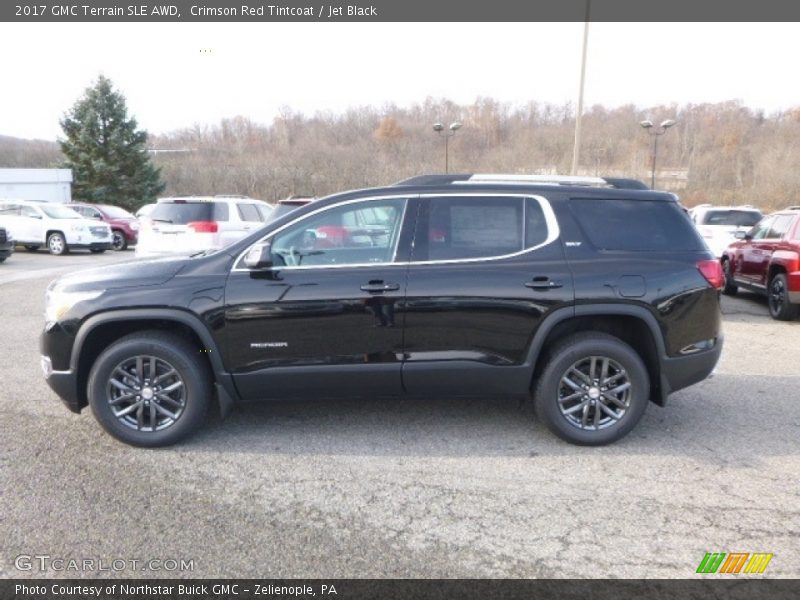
{"x": 680, "y": 372}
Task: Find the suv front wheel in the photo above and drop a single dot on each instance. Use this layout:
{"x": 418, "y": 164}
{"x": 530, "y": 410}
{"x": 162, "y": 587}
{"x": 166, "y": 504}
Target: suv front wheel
{"x": 150, "y": 389}
{"x": 593, "y": 389}
{"x": 778, "y": 299}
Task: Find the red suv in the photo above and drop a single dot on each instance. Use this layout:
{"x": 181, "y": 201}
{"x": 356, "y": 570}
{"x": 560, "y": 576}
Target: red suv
{"x": 124, "y": 226}
{"x": 766, "y": 260}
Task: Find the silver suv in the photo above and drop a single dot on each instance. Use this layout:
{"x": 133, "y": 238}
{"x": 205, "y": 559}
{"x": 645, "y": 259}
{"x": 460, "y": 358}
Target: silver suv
{"x": 190, "y": 224}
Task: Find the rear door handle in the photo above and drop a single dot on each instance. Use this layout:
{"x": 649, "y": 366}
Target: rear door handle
{"x": 375, "y": 287}
{"x": 543, "y": 283}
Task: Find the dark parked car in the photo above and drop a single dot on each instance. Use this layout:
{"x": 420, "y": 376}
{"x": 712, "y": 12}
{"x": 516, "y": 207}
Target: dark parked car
{"x": 6, "y": 244}
{"x": 287, "y": 205}
{"x": 124, "y": 226}
{"x": 594, "y": 298}
{"x": 766, "y": 260}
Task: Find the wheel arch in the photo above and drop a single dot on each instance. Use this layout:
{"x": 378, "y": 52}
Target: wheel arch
{"x": 103, "y": 329}
{"x": 632, "y": 324}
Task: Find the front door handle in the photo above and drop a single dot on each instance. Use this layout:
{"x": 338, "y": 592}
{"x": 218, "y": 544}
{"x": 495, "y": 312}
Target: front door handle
{"x": 376, "y": 287}
{"x": 543, "y": 283}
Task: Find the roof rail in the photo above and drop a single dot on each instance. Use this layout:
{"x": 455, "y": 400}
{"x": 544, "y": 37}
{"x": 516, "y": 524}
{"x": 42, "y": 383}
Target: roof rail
{"x": 230, "y": 196}
{"x": 793, "y": 207}
{"x": 523, "y": 179}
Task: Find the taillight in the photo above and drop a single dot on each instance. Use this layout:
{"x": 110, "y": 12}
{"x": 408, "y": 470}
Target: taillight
{"x": 204, "y": 226}
{"x": 712, "y": 271}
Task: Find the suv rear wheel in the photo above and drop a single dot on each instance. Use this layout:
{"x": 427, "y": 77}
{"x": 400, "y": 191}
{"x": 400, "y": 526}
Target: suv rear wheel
{"x": 150, "y": 389}
{"x": 593, "y": 390}
{"x": 778, "y": 298}
{"x": 56, "y": 243}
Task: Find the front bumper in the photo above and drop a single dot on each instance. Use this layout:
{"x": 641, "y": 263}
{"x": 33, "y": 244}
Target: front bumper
{"x": 63, "y": 383}
{"x": 91, "y": 246}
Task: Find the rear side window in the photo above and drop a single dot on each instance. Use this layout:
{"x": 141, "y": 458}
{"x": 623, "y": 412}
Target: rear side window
{"x": 181, "y": 213}
{"x": 248, "y": 212}
{"x": 474, "y": 227}
{"x": 737, "y": 218}
{"x": 635, "y": 225}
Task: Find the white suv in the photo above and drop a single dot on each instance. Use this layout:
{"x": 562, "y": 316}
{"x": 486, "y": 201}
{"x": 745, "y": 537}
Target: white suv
{"x": 718, "y": 224}
{"x": 191, "y": 224}
{"x": 36, "y": 223}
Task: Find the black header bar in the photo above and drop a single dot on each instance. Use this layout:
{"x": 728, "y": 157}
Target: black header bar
{"x": 105, "y": 11}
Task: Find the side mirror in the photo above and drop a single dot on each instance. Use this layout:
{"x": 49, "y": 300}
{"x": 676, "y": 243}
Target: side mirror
{"x": 259, "y": 256}
{"x": 740, "y": 235}
{"x": 36, "y": 216}
{"x": 98, "y": 217}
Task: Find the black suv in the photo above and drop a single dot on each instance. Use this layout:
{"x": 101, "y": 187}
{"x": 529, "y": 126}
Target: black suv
{"x": 589, "y": 294}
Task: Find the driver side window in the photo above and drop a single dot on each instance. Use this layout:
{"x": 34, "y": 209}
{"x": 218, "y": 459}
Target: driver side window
{"x": 359, "y": 233}
{"x": 760, "y": 231}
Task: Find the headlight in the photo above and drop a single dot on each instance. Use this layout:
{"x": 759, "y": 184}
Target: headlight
{"x": 135, "y": 226}
{"x": 78, "y": 228}
{"x": 57, "y": 302}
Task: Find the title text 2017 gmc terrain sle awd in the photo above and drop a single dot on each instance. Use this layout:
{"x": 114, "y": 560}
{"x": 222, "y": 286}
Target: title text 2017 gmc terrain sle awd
{"x": 591, "y": 295}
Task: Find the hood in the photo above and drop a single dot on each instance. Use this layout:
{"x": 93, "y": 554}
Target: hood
{"x": 138, "y": 273}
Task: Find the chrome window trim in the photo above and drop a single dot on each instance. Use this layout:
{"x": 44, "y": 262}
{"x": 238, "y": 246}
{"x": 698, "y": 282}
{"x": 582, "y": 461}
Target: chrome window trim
{"x": 553, "y": 232}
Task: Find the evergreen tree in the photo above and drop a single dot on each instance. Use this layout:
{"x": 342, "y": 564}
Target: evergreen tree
{"x": 106, "y": 152}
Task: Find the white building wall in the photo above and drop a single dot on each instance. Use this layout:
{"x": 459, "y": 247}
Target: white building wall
{"x": 51, "y": 185}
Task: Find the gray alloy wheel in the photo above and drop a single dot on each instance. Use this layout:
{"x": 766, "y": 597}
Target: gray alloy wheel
{"x": 593, "y": 389}
{"x": 150, "y": 388}
{"x": 778, "y": 299}
{"x": 595, "y": 393}
{"x": 56, "y": 244}
{"x": 119, "y": 242}
{"x": 146, "y": 393}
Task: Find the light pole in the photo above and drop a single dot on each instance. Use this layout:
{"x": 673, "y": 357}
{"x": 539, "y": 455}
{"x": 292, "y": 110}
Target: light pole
{"x": 656, "y": 132}
{"x": 439, "y": 128}
{"x": 576, "y": 148}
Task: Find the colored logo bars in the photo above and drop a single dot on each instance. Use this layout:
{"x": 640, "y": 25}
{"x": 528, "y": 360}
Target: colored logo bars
{"x": 734, "y": 563}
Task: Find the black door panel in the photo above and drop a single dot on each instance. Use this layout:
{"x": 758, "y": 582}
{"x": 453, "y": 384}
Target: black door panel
{"x": 312, "y": 325}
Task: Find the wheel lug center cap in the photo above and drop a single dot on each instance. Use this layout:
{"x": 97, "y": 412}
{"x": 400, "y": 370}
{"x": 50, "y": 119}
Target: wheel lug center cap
{"x": 594, "y": 392}
{"x": 147, "y": 393}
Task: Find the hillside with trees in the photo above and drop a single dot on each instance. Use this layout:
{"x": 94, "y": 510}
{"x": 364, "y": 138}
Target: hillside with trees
{"x": 721, "y": 153}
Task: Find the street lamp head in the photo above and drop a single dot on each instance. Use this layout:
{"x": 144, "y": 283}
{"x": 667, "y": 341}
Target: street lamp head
{"x": 646, "y": 124}
{"x": 438, "y": 127}
{"x": 455, "y": 126}
{"x": 668, "y": 123}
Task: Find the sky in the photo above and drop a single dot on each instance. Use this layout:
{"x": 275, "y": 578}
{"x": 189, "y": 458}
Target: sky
{"x": 175, "y": 75}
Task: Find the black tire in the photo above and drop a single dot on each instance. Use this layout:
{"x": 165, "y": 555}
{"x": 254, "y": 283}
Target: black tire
{"x": 778, "y": 299}
{"x": 57, "y": 244}
{"x": 624, "y": 365}
{"x": 32, "y": 248}
{"x": 97, "y": 250}
{"x": 149, "y": 427}
{"x": 120, "y": 241}
{"x": 730, "y": 288}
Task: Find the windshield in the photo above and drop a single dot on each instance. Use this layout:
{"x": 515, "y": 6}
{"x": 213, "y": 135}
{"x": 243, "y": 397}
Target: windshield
{"x": 56, "y": 211}
{"x": 115, "y": 212}
{"x": 737, "y": 218}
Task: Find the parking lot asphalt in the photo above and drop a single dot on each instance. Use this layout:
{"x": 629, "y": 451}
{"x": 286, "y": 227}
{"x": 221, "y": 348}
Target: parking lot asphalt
{"x": 401, "y": 488}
